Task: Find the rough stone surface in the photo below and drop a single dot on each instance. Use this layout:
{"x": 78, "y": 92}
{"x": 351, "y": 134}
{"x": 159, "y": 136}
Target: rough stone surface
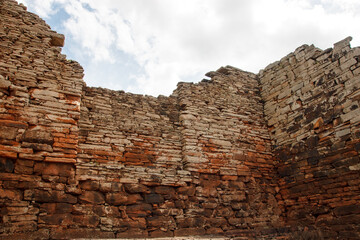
{"x": 315, "y": 133}
{"x": 267, "y": 156}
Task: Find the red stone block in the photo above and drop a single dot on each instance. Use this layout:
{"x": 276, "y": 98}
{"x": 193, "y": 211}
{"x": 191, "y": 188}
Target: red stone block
{"x": 122, "y": 198}
{"x": 70, "y": 97}
{"x": 16, "y": 149}
{"x": 39, "y": 156}
{"x": 129, "y": 155}
{"x": 52, "y": 208}
{"x": 18, "y": 177}
{"x": 136, "y": 188}
{"x": 89, "y": 185}
{"x": 190, "y": 222}
{"x": 55, "y": 169}
{"x": 15, "y": 124}
{"x": 8, "y": 133}
{"x": 21, "y": 185}
{"x": 136, "y": 223}
{"x": 216, "y": 222}
{"x": 37, "y": 146}
{"x": 8, "y": 154}
{"x": 17, "y": 211}
{"x": 239, "y": 185}
{"x": 219, "y": 162}
{"x": 260, "y": 147}
{"x": 154, "y": 198}
{"x": 55, "y": 219}
{"x": 168, "y": 192}
{"x": 139, "y": 210}
{"x": 60, "y": 160}
{"x": 61, "y": 135}
{"x": 160, "y": 222}
{"x": 346, "y": 210}
{"x": 89, "y": 221}
{"x": 214, "y": 231}
{"x": 324, "y": 219}
{"x": 38, "y": 136}
{"x": 69, "y": 139}
{"x": 92, "y": 197}
{"x": 21, "y": 169}
{"x": 61, "y": 154}
{"x": 53, "y": 196}
{"x": 188, "y": 190}
{"x": 14, "y": 195}
{"x": 62, "y": 119}
{"x": 65, "y": 145}
{"x": 229, "y": 178}
{"x": 109, "y": 211}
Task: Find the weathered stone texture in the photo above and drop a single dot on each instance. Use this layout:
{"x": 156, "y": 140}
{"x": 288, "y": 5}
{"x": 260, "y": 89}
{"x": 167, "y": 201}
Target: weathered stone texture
{"x": 178, "y": 165}
{"x": 79, "y": 161}
{"x": 40, "y": 95}
{"x": 267, "y": 156}
{"x": 312, "y": 102}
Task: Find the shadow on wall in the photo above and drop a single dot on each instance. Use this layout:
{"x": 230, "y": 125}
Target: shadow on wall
{"x": 241, "y": 155}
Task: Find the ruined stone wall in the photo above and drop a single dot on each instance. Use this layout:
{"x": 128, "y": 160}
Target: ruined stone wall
{"x": 90, "y": 162}
{"x": 129, "y": 161}
{"x": 178, "y": 165}
{"x": 229, "y": 148}
{"x": 240, "y": 154}
{"x": 40, "y": 95}
{"x": 312, "y": 108}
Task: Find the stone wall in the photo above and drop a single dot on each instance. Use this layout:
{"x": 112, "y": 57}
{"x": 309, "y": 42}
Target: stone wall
{"x": 242, "y": 155}
{"x": 178, "y": 165}
{"x": 40, "y": 94}
{"x": 90, "y": 162}
{"x": 312, "y": 102}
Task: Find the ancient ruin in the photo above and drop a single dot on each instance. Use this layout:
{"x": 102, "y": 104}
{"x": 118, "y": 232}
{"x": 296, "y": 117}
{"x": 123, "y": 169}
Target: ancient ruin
{"x": 273, "y": 155}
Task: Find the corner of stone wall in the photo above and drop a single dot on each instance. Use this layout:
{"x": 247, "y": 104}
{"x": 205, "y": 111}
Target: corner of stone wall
{"x": 237, "y": 154}
{"x": 40, "y": 93}
{"x": 312, "y": 110}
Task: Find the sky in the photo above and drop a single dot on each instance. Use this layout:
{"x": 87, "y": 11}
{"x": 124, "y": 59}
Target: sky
{"x": 148, "y": 46}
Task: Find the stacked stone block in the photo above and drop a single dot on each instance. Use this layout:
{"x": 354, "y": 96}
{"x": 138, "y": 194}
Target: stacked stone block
{"x": 168, "y": 176}
{"x": 312, "y": 107}
{"x": 40, "y": 94}
{"x": 90, "y": 162}
{"x": 242, "y": 155}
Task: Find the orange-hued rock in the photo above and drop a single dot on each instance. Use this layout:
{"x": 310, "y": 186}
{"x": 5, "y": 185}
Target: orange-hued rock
{"x": 54, "y": 169}
{"x": 122, "y": 199}
{"x": 92, "y": 197}
{"x": 245, "y": 155}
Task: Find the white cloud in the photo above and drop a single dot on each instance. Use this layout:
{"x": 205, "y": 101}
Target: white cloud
{"x": 44, "y": 8}
{"x": 91, "y": 30}
{"x": 174, "y": 40}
